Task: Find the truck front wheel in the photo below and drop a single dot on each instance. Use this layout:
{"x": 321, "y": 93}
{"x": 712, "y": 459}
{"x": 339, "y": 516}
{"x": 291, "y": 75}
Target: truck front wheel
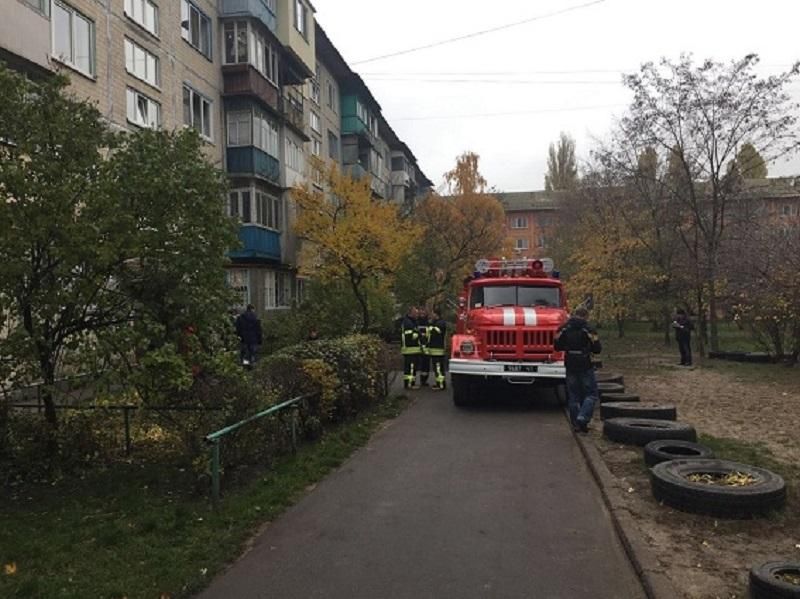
{"x": 463, "y": 390}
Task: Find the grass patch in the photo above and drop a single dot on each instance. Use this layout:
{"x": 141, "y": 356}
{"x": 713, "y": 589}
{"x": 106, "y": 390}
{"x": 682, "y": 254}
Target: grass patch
{"x": 142, "y": 530}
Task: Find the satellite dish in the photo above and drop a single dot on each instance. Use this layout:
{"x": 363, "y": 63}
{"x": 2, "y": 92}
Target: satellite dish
{"x": 482, "y": 266}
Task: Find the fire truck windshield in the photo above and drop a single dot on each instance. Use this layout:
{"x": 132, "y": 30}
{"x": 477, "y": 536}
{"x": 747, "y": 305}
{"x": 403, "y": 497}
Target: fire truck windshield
{"x": 514, "y": 295}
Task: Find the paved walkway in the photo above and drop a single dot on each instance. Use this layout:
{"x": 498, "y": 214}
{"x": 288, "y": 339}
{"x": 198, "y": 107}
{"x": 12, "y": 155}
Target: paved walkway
{"x": 446, "y": 503}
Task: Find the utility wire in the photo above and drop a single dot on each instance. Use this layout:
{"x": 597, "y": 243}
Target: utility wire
{"x": 515, "y": 113}
{"x": 478, "y": 33}
{"x": 501, "y": 81}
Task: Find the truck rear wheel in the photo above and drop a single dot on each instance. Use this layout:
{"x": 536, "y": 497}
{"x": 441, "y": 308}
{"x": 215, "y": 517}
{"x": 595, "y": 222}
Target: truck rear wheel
{"x": 463, "y": 390}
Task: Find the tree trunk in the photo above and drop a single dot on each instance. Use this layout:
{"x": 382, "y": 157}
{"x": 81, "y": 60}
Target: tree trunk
{"x": 49, "y": 380}
{"x": 620, "y": 327}
{"x": 667, "y": 313}
{"x": 712, "y": 314}
{"x": 700, "y": 338}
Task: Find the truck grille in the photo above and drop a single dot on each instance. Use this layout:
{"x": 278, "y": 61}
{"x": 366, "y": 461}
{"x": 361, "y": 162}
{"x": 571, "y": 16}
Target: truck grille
{"x": 505, "y": 342}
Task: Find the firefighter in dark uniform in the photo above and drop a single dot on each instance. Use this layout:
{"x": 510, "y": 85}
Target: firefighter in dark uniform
{"x": 579, "y": 342}
{"x": 424, "y": 363}
{"x": 437, "y": 334}
{"x": 410, "y": 348}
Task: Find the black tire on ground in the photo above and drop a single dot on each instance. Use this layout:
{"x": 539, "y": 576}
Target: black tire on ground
{"x": 617, "y": 397}
{"x": 640, "y": 431}
{"x": 610, "y": 377}
{"x": 671, "y": 486}
{"x": 632, "y": 409}
{"x": 464, "y": 390}
{"x": 664, "y": 450}
{"x": 604, "y": 388}
{"x": 764, "y": 583}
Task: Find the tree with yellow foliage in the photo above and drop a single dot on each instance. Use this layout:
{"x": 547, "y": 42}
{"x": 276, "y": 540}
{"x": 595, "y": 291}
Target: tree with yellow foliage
{"x": 458, "y": 229}
{"x": 351, "y": 237}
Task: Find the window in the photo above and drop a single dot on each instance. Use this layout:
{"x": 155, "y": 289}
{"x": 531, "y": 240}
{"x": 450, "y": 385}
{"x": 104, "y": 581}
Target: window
{"x": 270, "y": 290}
{"x": 43, "y": 6}
{"x": 294, "y": 155}
{"x": 142, "y": 110}
{"x": 300, "y": 18}
{"x": 73, "y": 38}
{"x": 143, "y": 12}
{"x": 239, "y": 128}
{"x": 542, "y": 241}
{"x": 521, "y": 244}
{"x": 197, "y": 112}
{"x": 313, "y": 121}
{"x": 196, "y": 28}
{"x": 315, "y": 89}
{"x": 316, "y": 147}
{"x": 269, "y": 211}
{"x": 284, "y": 289}
{"x": 511, "y": 295}
{"x": 244, "y": 44}
{"x": 332, "y": 103}
{"x": 333, "y": 146}
{"x": 240, "y": 206}
{"x": 141, "y": 63}
{"x": 519, "y": 222}
{"x": 361, "y": 112}
{"x": 787, "y": 210}
{"x": 239, "y": 280}
{"x": 265, "y": 134}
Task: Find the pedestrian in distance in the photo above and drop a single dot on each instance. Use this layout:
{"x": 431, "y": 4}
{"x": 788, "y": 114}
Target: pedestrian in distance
{"x": 579, "y": 342}
{"x": 437, "y": 336}
{"x": 683, "y": 335}
{"x": 248, "y": 328}
{"x": 410, "y": 348}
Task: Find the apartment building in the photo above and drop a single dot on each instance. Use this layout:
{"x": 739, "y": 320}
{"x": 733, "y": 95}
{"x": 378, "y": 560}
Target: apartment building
{"x": 263, "y": 85}
{"x": 530, "y": 220}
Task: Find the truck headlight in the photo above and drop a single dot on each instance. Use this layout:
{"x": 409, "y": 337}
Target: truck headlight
{"x": 467, "y": 347}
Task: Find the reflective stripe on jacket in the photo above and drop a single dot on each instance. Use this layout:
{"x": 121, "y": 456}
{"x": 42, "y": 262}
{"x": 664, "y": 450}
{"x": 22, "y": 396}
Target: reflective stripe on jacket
{"x": 409, "y": 337}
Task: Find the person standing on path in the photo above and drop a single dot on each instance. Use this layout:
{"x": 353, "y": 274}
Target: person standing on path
{"x": 248, "y": 328}
{"x": 579, "y": 341}
{"x": 437, "y": 334}
{"x": 424, "y": 362}
{"x": 683, "y": 335}
{"x": 410, "y": 348}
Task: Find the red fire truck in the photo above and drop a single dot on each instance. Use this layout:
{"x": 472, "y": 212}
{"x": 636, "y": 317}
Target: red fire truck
{"x": 508, "y": 316}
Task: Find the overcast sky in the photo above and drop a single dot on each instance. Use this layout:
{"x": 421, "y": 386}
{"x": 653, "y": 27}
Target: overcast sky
{"x": 507, "y": 95}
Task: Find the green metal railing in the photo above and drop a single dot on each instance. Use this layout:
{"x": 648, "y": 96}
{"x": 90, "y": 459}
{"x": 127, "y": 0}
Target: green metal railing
{"x": 214, "y": 439}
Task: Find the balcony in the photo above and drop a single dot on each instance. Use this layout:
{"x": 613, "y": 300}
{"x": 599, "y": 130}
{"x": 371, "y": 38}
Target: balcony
{"x": 352, "y": 125}
{"x": 401, "y": 178}
{"x": 258, "y": 243}
{"x": 245, "y": 80}
{"x": 258, "y": 9}
{"x": 292, "y": 110}
{"x": 356, "y": 171}
{"x": 249, "y": 160}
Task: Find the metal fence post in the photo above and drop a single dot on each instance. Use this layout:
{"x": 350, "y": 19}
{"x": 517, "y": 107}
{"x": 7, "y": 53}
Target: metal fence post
{"x": 215, "y": 472}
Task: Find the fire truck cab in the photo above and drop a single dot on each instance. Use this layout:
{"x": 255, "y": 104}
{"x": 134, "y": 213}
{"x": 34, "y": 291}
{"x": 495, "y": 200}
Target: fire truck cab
{"x": 507, "y": 320}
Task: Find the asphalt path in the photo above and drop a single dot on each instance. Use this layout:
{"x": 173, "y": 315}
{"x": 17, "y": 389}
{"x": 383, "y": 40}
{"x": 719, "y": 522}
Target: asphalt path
{"x": 494, "y": 502}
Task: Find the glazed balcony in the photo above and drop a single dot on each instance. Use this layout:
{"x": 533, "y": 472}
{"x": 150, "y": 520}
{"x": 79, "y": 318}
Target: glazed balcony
{"x": 245, "y": 80}
{"x": 252, "y": 161}
{"x": 257, "y": 9}
{"x": 293, "y": 111}
{"x": 258, "y": 243}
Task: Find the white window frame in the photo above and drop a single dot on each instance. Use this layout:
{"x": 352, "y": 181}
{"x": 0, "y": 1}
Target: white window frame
{"x": 136, "y": 11}
{"x": 334, "y": 151}
{"x": 270, "y": 290}
{"x": 333, "y": 104}
{"x": 152, "y": 65}
{"x": 294, "y": 155}
{"x": 315, "y": 86}
{"x": 519, "y": 222}
{"x": 69, "y": 60}
{"x": 314, "y": 122}
{"x": 191, "y": 120}
{"x": 521, "y": 245}
{"x": 238, "y": 279}
{"x": 203, "y": 44}
{"x": 301, "y": 18}
{"x": 259, "y": 51}
{"x": 316, "y": 147}
{"x": 134, "y": 100}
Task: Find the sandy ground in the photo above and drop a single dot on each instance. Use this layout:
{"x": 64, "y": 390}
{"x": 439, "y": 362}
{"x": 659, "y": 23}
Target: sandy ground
{"x": 703, "y": 556}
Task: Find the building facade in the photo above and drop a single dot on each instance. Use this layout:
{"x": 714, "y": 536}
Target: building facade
{"x": 258, "y": 79}
{"x": 531, "y": 218}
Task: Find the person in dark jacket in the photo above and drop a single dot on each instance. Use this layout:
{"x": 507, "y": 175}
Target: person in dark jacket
{"x": 248, "y": 328}
{"x": 424, "y": 360}
{"x": 683, "y": 335}
{"x": 410, "y": 348}
{"x": 579, "y": 342}
{"x": 437, "y": 335}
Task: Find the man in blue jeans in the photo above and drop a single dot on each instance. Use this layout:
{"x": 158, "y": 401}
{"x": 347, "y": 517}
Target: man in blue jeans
{"x": 579, "y": 341}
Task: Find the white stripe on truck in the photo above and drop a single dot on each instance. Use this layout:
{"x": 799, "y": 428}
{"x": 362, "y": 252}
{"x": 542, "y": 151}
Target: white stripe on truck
{"x": 530, "y": 317}
{"x": 509, "y": 319}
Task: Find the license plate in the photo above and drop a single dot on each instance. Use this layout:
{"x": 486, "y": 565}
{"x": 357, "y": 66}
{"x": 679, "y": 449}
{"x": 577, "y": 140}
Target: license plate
{"x": 521, "y": 368}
